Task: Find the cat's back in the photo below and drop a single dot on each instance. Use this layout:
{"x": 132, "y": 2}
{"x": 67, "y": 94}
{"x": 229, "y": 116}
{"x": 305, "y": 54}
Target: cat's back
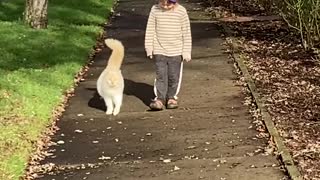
{"x": 110, "y": 82}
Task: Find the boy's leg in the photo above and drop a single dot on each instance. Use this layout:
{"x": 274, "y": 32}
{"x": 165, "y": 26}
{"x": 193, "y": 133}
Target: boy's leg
{"x": 161, "y": 81}
{"x": 175, "y": 67}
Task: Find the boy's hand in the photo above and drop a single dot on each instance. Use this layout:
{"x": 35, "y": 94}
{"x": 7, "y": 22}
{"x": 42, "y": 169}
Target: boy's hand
{"x": 187, "y": 59}
{"x": 149, "y": 53}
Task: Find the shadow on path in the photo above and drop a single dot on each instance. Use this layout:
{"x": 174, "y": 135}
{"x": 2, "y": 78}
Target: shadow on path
{"x": 142, "y": 91}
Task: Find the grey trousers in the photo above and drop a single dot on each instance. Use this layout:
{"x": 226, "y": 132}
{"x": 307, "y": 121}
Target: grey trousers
{"x": 168, "y": 76}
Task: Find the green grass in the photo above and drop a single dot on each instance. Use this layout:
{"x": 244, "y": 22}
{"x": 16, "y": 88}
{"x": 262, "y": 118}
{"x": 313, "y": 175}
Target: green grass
{"x": 37, "y": 67}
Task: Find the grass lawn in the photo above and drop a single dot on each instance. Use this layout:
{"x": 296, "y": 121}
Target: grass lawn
{"x": 36, "y": 69}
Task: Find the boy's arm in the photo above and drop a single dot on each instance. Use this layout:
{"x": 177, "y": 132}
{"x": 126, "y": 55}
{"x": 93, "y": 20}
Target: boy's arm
{"x": 150, "y": 30}
{"x": 187, "y": 40}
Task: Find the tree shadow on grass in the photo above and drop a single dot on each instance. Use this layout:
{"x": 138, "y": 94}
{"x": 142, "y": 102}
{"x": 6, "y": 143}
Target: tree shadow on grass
{"x": 11, "y": 10}
{"x": 84, "y": 12}
{"x": 30, "y": 49}
{"x": 71, "y": 34}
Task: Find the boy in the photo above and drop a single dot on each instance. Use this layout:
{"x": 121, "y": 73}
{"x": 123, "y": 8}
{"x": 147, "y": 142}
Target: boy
{"x": 168, "y": 41}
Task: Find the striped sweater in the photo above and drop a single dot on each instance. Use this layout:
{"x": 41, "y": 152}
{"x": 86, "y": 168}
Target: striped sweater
{"x": 168, "y": 32}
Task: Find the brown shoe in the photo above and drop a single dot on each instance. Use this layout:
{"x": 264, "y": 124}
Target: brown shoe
{"x": 156, "y": 105}
{"x": 172, "y": 104}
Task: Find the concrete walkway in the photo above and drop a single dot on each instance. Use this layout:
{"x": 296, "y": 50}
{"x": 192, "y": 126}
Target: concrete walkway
{"x": 206, "y": 138}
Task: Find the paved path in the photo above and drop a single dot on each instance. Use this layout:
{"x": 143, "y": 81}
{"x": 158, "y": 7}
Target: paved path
{"x": 206, "y": 138}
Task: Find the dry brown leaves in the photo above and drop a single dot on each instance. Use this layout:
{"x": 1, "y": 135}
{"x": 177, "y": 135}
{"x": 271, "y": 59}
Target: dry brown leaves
{"x": 234, "y": 8}
{"x": 288, "y": 78}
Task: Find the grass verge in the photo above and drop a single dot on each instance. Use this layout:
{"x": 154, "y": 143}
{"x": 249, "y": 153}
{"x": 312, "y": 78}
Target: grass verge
{"x": 36, "y": 69}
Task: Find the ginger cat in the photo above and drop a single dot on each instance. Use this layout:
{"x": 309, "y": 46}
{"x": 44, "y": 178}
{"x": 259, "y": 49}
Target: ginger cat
{"x": 110, "y": 84}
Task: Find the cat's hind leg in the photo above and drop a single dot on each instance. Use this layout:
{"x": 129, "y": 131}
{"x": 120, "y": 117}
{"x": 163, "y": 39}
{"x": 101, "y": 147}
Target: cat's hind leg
{"x": 117, "y": 104}
{"x": 109, "y": 105}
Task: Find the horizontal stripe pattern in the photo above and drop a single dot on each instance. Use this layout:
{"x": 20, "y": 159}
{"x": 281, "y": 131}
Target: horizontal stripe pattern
{"x": 168, "y": 32}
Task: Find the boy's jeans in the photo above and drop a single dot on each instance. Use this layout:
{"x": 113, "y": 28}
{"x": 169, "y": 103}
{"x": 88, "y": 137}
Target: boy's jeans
{"x": 168, "y": 77}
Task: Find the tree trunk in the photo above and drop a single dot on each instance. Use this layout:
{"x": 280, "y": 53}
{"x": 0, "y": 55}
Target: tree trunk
{"x": 36, "y": 13}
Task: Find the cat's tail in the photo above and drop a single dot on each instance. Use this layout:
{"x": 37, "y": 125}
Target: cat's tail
{"x": 117, "y": 55}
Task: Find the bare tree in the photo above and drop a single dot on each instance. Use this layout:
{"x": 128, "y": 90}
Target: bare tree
{"x": 36, "y": 13}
